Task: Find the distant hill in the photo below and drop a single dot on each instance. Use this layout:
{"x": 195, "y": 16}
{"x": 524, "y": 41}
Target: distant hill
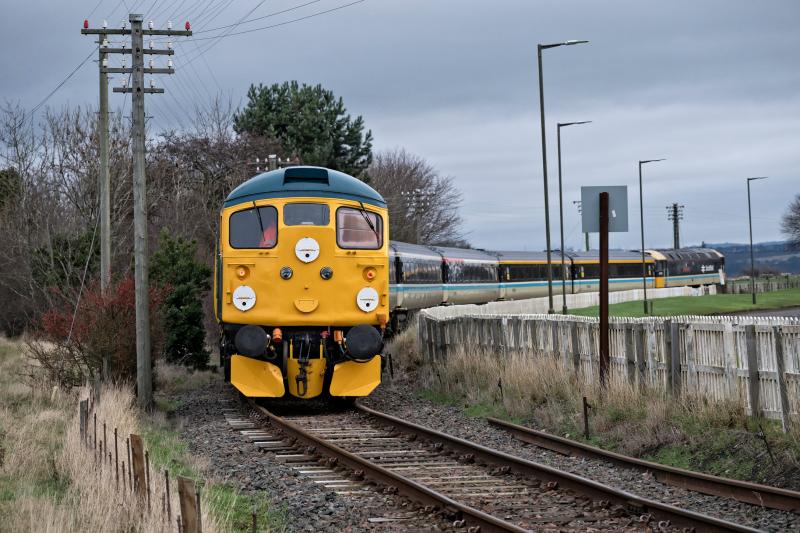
{"x": 774, "y": 256}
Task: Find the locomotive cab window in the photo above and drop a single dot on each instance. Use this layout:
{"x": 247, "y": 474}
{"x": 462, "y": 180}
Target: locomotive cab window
{"x": 358, "y": 230}
{"x": 254, "y": 228}
{"x": 306, "y": 214}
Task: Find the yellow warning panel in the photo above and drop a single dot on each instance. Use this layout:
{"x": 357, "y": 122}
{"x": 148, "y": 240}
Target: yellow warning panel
{"x": 356, "y": 379}
{"x": 314, "y": 377}
{"x": 256, "y": 379}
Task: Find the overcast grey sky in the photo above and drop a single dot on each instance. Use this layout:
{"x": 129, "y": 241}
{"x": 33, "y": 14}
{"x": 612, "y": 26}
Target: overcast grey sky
{"x": 712, "y": 86}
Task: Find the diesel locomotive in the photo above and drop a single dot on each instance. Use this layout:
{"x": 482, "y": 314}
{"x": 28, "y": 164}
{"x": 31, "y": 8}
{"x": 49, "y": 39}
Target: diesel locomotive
{"x": 302, "y": 284}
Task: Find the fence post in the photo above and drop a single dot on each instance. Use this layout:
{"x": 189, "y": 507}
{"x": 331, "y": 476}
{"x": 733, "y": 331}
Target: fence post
{"x": 778, "y": 333}
{"x": 650, "y": 351}
{"x": 630, "y": 354}
{"x": 188, "y": 498}
{"x": 576, "y": 347}
{"x": 752, "y": 371}
{"x": 691, "y": 359}
{"x": 730, "y": 360}
{"x": 675, "y": 358}
{"x": 137, "y": 465}
{"x": 84, "y": 415}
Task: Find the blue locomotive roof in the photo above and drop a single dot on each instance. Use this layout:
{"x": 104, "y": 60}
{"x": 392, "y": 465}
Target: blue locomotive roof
{"x": 304, "y": 181}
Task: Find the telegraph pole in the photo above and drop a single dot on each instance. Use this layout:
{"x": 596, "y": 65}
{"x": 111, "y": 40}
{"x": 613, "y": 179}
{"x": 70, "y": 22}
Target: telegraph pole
{"x": 675, "y": 214}
{"x": 104, "y": 184}
{"x": 144, "y": 376}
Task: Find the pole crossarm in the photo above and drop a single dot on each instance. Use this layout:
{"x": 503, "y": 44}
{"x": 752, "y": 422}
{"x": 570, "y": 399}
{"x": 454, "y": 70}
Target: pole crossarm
{"x": 120, "y": 31}
{"x": 146, "y": 51}
{"x": 145, "y": 90}
{"x": 129, "y": 70}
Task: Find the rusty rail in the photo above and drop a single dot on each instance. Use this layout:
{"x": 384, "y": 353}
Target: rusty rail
{"x": 676, "y": 515}
{"x": 383, "y": 476}
{"x": 743, "y": 491}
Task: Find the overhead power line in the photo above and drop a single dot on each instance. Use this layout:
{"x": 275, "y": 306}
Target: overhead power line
{"x": 268, "y": 15}
{"x": 282, "y": 23}
{"x": 62, "y": 82}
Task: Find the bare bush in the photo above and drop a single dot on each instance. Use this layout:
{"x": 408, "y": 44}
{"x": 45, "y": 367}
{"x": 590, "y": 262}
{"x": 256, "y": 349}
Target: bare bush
{"x": 423, "y": 205}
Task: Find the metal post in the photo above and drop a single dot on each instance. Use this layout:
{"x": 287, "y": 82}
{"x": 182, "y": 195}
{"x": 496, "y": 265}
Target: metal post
{"x": 144, "y": 377}
{"x": 604, "y": 349}
{"x": 586, "y": 235}
{"x": 752, "y": 258}
{"x": 561, "y": 226}
{"x": 544, "y": 176}
{"x": 641, "y": 220}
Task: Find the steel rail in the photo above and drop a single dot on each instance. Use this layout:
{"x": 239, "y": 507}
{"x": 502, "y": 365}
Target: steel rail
{"x": 594, "y": 489}
{"x": 743, "y": 491}
{"x": 383, "y": 476}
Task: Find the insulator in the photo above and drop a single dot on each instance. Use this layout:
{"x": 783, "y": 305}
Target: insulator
{"x": 150, "y": 63}
{"x": 152, "y": 84}
{"x": 169, "y": 24}
{"x": 105, "y": 24}
{"x": 124, "y": 24}
{"x": 169, "y": 45}
{"x": 151, "y": 44}
{"x": 124, "y": 62}
{"x": 150, "y": 24}
{"x": 187, "y": 26}
{"x": 105, "y": 43}
{"x": 169, "y": 63}
{"x": 125, "y": 82}
{"x": 85, "y": 24}
{"x": 105, "y": 62}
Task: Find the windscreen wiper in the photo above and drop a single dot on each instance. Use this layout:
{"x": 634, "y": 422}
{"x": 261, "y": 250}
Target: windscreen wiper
{"x": 363, "y": 212}
{"x": 260, "y": 222}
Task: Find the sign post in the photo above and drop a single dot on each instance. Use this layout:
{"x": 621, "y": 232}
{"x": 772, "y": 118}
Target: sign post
{"x": 605, "y": 209}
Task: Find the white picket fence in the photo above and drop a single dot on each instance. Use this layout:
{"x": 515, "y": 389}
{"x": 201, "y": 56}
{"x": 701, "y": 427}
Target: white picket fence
{"x": 753, "y": 359}
{"x": 574, "y": 301}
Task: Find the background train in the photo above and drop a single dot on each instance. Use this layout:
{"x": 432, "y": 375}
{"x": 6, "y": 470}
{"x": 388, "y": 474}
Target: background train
{"x": 427, "y": 276}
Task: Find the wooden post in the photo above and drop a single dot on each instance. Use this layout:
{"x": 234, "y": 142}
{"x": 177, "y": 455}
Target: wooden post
{"x": 188, "y": 500}
{"x": 675, "y": 358}
{"x": 779, "y": 352}
{"x": 728, "y": 341}
{"x": 752, "y": 371}
{"x": 576, "y": 347}
{"x": 137, "y": 465}
{"x": 630, "y": 354}
{"x": 84, "y": 416}
{"x": 604, "y": 349}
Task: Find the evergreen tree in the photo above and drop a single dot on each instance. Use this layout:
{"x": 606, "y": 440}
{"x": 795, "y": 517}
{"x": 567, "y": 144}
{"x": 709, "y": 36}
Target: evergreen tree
{"x": 309, "y": 122}
{"x": 174, "y": 266}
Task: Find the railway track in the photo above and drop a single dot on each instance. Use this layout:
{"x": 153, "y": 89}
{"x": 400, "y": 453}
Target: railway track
{"x": 476, "y": 487}
{"x": 752, "y": 493}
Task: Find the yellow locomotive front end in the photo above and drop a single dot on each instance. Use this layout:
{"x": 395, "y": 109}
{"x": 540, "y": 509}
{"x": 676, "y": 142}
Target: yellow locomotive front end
{"x": 302, "y": 284}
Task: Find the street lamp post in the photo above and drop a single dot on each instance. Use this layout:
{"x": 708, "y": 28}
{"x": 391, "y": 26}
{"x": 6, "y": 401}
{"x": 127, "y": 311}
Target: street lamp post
{"x": 750, "y": 220}
{"x": 641, "y": 220}
{"x": 539, "y": 49}
{"x": 561, "y": 213}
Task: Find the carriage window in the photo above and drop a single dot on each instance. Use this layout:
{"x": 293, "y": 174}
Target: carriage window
{"x": 253, "y": 228}
{"x": 306, "y": 215}
{"x": 354, "y": 232}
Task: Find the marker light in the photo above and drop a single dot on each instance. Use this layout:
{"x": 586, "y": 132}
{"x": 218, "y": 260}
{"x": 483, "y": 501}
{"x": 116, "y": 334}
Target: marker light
{"x": 242, "y": 271}
{"x": 370, "y": 273}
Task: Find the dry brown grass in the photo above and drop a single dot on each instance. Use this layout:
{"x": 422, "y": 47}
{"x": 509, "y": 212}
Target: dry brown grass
{"x": 51, "y": 481}
{"x": 542, "y": 391}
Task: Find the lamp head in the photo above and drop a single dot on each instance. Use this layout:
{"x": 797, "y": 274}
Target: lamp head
{"x": 564, "y": 124}
{"x": 650, "y": 161}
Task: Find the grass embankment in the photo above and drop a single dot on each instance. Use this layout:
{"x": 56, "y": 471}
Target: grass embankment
{"x": 49, "y": 481}
{"x": 717, "y": 438}
{"x": 700, "y": 305}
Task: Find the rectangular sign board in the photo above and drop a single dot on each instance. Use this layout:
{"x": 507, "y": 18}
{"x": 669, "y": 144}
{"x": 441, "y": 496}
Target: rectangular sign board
{"x": 617, "y": 208}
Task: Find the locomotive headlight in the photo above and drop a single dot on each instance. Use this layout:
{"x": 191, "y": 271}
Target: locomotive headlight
{"x": 326, "y": 272}
{"x": 242, "y": 271}
{"x": 370, "y": 273}
{"x": 286, "y": 272}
